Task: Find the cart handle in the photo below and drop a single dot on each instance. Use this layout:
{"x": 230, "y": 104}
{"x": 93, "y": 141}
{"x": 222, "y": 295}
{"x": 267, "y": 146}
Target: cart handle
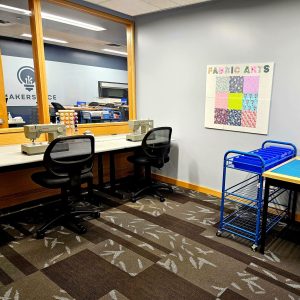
{"x": 281, "y": 143}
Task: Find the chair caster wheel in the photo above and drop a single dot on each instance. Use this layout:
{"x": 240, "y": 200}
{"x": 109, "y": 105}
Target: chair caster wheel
{"x": 254, "y": 247}
{"x": 39, "y": 235}
{"x": 161, "y": 199}
{"x": 133, "y": 198}
{"x": 81, "y": 229}
{"x": 218, "y": 233}
{"x": 96, "y": 214}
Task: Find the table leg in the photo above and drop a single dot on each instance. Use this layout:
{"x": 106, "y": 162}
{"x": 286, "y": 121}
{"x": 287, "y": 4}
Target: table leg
{"x": 264, "y": 217}
{"x": 294, "y": 206}
{"x": 289, "y": 204}
{"x": 100, "y": 171}
{"x": 112, "y": 171}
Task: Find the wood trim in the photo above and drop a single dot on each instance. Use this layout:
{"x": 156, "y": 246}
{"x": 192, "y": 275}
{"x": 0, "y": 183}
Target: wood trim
{"x": 282, "y": 177}
{"x": 39, "y": 60}
{"x": 3, "y": 107}
{"x": 184, "y": 184}
{"x": 131, "y": 71}
{"x": 11, "y": 130}
{"x": 130, "y": 46}
{"x": 15, "y": 135}
{"x": 197, "y": 188}
{"x": 97, "y": 13}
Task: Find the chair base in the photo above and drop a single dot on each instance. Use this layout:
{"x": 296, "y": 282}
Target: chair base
{"x": 153, "y": 189}
{"x": 70, "y": 218}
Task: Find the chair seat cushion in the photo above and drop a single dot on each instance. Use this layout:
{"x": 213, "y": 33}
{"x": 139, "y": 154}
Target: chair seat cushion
{"x": 139, "y": 159}
{"x": 48, "y": 180}
{"x": 145, "y": 161}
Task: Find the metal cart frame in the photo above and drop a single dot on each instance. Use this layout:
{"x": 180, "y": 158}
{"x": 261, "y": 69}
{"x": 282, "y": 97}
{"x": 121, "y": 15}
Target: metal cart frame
{"x": 248, "y": 194}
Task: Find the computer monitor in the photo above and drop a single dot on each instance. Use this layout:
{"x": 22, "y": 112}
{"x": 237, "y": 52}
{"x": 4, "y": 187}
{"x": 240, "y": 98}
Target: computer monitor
{"x": 112, "y": 90}
{"x": 81, "y": 103}
{"x": 124, "y": 101}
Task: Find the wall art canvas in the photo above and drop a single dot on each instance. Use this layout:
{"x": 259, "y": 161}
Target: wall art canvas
{"x": 238, "y": 97}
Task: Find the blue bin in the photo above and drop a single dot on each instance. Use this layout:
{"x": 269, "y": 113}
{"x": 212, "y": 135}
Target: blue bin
{"x": 271, "y": 156}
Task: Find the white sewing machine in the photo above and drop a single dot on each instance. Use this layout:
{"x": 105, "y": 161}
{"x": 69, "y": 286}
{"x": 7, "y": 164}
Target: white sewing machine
{"x": 33, "y": 132}
{"x": 140, "y": 128}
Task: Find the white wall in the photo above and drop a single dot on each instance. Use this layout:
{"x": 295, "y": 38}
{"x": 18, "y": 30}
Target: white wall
{"x": 74, "y": 83}
{"x": 67, "y": 82}
{"x": 172, "y": 51}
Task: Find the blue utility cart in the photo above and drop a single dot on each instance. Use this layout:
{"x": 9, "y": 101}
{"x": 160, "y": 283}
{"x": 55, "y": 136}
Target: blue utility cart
{"x": 245, "y": 220}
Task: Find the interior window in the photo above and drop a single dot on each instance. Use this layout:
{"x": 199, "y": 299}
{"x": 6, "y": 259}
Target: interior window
{"x": 17, "y": 63}
{"x": 82, "y": 52}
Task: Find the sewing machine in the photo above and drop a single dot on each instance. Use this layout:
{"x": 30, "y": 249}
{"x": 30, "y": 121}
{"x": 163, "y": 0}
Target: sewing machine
{"x": 140, "y": 128}
{"x": 33, "y": 132}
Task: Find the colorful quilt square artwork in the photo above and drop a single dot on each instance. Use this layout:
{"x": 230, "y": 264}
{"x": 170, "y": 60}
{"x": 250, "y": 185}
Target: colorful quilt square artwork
{"x": 249, "y": 118}
{"x": 221, "y": 100}
{"x": 251, "y": 85}
{"x": 221, "y": 116}
{"x": 250, "y": 102}
{"x": 236, "y": 84}
{"x": 238, "y": 97}
{"x": 235, "y": 101}
{"x": 234, "y": 117}
{"x": 222, "y": 84}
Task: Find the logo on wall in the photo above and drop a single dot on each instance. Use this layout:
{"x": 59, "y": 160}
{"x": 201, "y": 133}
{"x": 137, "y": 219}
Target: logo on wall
{"x": 26, "y": 77}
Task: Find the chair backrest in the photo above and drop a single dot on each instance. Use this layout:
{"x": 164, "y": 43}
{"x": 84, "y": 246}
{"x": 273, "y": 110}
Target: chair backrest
{"x": 93, "y": 104}
{"x": 124, "y": 113}
{"x": 57, "y": 106}
{"x": 70, "y": 156}
{"x": 156, "y": 145}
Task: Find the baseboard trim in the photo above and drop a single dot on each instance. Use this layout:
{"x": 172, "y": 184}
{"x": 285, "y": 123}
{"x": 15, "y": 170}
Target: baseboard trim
{"x": 195, "y": 187}
{"x": 188, "y": 185}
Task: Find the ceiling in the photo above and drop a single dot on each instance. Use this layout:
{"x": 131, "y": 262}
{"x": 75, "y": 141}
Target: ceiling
{"x": 13, "y": 24}
{"x": 141, "y": 7}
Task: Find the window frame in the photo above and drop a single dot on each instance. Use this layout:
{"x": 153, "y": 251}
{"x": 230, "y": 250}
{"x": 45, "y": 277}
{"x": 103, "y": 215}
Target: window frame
{"x": 41, "y": 78}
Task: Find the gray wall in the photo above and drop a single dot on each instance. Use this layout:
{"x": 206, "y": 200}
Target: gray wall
{"x": 23, "y": 48}
{"x": 172, "y": 51}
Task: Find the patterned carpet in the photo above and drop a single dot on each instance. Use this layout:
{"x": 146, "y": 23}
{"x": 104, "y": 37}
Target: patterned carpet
{"x": 147, "y": 250}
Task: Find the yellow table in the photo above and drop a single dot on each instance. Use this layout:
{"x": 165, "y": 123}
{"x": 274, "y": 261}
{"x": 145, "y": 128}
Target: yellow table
{"x": 286, "y": 175}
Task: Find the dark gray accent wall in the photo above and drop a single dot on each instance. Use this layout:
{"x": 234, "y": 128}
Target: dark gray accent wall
{"x": 22, "y": 48}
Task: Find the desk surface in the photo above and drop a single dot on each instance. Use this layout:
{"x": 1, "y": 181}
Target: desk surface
{"x": 16, "y": 122}
{"x": 11, "y": 155}
{"x": 289, "y": 171}
{"x": 79, "y": 108}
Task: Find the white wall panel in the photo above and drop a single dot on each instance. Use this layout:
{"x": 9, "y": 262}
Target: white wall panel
{"x": 69, "y": 83}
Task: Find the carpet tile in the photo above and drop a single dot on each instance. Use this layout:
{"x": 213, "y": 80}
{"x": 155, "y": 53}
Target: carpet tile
{"x": 113, "y": 295}
{"x": 121, "y": 257}
{"x": 144, "y": 251}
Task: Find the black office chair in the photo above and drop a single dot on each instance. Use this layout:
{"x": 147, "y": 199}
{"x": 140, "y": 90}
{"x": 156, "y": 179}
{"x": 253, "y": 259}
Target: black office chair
{"x": 93, "y": 104}
{"x": 57, "y": 106}
{"x": 154, "y": 153}
{"x": 124, "y": 113}
{"x": 68, "y": 162}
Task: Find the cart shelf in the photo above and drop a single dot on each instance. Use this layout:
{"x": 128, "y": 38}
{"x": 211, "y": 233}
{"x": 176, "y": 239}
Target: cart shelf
{"x": 243, "y": 222}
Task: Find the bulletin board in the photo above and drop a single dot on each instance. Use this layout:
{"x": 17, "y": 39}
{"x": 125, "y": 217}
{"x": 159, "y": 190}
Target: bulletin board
{"x": 238, "y": 97}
